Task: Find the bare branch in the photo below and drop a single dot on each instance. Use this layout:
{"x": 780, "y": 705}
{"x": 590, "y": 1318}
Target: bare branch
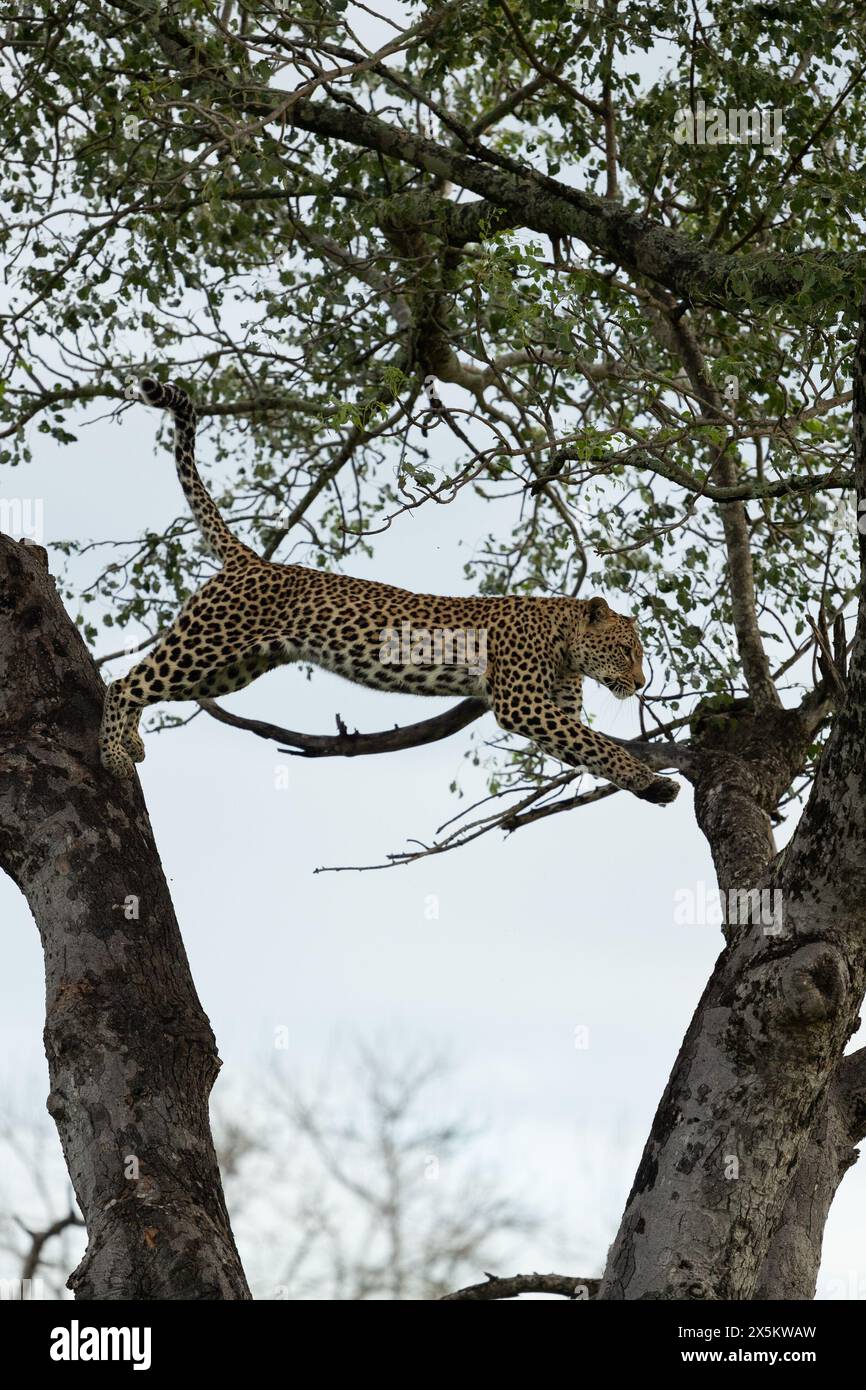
{"x": 756, "y": 667}
{"x": 39, "y": 1239}
{"x": 348, "y": 745}
{"x": 516, "y": 1284}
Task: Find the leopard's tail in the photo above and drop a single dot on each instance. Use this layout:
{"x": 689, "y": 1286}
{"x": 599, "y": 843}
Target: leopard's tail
{"x": 214, "y": 530}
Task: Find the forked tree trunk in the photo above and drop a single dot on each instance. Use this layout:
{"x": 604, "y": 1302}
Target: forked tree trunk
{"x": 759, "y": 1119}
{"x": 131, "y": 1055}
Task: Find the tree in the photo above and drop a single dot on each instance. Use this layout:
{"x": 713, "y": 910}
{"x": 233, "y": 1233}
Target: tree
{"x": 131, "y": 1056}
{"x": 641, "y": 294}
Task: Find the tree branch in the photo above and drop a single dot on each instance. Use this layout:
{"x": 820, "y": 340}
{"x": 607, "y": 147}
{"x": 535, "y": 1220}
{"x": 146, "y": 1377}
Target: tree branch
{"x": 528, "y": 198}
{"x": 512, "y": 193}
{"x": 39, "y": 1239}
{"x": 756, "y": 667}
{"x": 346, "y": 745}
{"x": 514, "y": 1285}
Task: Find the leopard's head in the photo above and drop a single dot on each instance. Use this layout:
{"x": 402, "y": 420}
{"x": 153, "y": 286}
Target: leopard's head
{"x": 606, "y": 647}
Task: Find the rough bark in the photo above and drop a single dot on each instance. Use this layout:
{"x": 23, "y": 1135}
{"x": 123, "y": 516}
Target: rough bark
{"x": 790, "y": 1269}
{"x": 131, "y": 1055}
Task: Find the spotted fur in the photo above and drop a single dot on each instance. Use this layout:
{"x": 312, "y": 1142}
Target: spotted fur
{"x": 254, "y": 615}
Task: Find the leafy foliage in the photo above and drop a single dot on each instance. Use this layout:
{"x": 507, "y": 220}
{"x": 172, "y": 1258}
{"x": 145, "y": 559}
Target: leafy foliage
{"x": 168, "y": 200}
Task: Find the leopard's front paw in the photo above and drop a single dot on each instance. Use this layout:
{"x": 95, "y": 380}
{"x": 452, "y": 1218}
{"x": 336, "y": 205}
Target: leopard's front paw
{"x": 660, "y": 791}
{"x": 134, "y": 746}
{"x": 118, "y": 763}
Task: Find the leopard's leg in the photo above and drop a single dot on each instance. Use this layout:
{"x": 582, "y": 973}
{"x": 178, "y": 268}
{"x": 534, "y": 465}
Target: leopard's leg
{"x": 162, "y": 674}
{"x": 241, "y": 670}
{"x": 132, "y": 741}
{"x": 190, "y": 670}
{"x": 116, "y": 717}
{"x": 526, "y": 706}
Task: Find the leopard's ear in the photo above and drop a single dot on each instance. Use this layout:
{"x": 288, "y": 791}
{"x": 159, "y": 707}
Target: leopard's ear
{"x": 633, "y": 621}
{"x": 597, "y": 610}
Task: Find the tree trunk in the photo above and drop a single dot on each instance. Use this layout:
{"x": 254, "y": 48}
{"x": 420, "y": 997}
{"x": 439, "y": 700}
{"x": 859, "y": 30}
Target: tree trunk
{"x": 131, "y": 1054}
{"x": 790, "y": 1270}
{"x": 758, "y": 1121}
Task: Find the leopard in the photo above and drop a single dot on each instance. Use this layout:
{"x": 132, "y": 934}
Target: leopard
{"x": 524, "y": 656}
